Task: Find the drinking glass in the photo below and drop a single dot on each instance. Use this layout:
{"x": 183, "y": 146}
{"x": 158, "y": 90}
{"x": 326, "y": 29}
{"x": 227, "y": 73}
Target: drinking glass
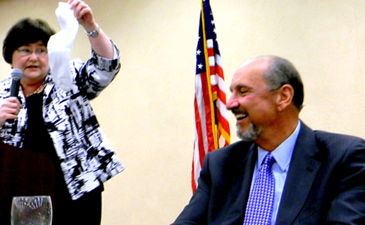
{"x": 31, "y": 210}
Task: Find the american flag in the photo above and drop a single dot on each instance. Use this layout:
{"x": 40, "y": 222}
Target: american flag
{"x": 211, "y": 115}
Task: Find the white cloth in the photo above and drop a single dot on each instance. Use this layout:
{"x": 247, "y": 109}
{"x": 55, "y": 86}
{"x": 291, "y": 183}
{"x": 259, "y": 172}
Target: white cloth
{"x": 60, "y": 46}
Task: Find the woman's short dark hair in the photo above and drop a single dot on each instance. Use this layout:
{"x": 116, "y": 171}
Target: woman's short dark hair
{"x": 24, "y": 32}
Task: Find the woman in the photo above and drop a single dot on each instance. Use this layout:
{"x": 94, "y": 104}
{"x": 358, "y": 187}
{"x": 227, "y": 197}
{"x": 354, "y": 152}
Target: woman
{"x": 60, "y": 123}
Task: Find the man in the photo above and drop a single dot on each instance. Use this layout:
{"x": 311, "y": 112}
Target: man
{"x": 319, "y": 176}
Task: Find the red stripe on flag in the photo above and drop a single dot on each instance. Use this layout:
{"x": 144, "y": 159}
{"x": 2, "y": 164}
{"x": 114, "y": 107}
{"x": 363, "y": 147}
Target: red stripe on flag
{"x": 222, "y": 96}
{"x": 199, "y": 131}
{"x": 210, "y": 52}
{"x": 224, "y": 123}
{"x": 193, "y": 184}
{"x": 219, "y": 71}
{"x": 208, "y": 113}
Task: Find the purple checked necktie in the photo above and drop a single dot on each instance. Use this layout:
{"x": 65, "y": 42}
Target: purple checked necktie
{"x": 260, "y": 203}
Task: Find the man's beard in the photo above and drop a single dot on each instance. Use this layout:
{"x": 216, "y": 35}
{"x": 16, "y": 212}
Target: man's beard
{"x": 251, "y": 134}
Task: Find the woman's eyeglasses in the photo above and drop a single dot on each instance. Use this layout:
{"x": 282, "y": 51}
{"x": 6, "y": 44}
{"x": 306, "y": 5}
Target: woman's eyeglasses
{"x": 24, "y": 51}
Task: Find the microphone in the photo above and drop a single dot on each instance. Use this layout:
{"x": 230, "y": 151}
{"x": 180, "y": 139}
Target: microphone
{"x": 16, "y": 75}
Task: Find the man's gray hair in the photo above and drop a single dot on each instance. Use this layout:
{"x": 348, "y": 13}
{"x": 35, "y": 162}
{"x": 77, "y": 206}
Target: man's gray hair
{"x": 282, "y": 72}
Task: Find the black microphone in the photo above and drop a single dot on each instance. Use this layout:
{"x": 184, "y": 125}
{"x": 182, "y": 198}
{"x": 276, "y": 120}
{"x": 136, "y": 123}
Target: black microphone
{"x": 16, "y": 75}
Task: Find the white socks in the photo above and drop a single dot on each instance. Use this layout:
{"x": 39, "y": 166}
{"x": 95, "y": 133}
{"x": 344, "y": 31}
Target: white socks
{"x": 60, "y": 46}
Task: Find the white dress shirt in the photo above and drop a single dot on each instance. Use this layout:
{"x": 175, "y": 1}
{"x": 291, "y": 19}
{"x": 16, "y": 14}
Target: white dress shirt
{"x": 282, "y": 155}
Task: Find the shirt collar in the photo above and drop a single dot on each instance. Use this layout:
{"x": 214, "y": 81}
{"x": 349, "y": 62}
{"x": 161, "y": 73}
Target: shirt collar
{"x": 283, "y": 152}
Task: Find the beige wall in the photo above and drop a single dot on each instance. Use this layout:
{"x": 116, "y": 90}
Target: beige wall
{"x": 147, "y": 112}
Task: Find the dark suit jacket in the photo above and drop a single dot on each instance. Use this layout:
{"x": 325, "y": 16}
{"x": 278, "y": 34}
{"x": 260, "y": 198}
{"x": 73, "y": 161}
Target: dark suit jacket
{"x": 325, "y": 183}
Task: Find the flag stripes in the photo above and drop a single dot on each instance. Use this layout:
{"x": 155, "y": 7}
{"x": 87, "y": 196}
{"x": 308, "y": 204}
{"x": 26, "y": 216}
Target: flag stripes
{"x": 211, "y": 116}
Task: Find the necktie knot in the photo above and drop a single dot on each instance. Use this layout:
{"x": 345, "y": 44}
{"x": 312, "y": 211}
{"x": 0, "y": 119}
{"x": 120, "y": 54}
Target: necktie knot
{"x": 269, "y": 160}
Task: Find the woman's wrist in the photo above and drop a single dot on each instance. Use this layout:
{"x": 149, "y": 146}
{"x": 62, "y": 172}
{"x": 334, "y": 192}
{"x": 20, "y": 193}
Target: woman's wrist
{"x": 93, "y": 33}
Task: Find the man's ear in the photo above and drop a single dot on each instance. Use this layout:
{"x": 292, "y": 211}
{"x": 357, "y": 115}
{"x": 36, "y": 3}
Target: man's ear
{"x": 285, "y": 96}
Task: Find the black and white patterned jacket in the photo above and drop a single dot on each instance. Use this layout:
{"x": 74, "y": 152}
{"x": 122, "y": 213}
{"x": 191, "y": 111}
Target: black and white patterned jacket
{"x": 86, "y": 156}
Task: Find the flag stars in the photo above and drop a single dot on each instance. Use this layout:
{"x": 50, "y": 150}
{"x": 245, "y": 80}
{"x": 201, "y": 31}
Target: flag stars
{"x": 198, "y": 52}
{"x": 200, "y": 66}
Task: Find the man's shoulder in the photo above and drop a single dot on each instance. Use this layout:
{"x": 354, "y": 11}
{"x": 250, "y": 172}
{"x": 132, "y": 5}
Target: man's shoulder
{"x": 328, "y": 139}
{"x": 335, "y": 138}
{"x": 338, "y": 141}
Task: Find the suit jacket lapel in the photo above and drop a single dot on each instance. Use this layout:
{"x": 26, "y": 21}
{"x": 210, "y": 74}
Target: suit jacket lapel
{"x": 249, "y": 162}
{"x": 302, "y": 172}
{"x": 239, "y": 191}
